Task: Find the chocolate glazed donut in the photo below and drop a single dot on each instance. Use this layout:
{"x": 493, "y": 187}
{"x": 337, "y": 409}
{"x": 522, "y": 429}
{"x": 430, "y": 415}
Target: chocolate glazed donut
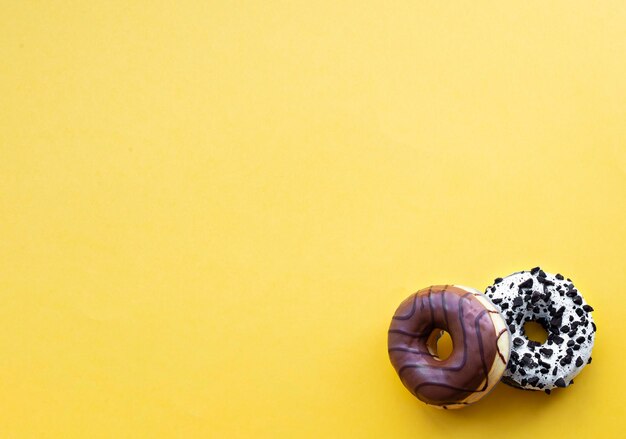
{"x": 480, "y": 338}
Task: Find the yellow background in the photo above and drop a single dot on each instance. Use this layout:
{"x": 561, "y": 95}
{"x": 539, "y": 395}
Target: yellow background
{"x": 209, "y": 211}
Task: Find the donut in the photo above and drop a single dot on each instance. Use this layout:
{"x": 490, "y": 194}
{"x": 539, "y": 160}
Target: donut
{"x": 554, "y": 303}
{"x": 480, "y": 339}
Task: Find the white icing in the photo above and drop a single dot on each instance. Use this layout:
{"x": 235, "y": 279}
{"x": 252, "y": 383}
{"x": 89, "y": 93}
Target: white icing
{"x": 506, "y": 293}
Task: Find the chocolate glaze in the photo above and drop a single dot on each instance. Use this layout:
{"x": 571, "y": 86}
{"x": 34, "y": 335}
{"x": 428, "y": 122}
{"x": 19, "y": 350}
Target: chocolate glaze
{"x": 475, "y": 345}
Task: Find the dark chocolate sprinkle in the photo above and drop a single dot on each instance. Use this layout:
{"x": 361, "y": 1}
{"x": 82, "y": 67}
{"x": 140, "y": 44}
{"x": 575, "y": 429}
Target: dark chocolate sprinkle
{"x": 517, "y": 341}
{"x": 548, "y": 391}
{"x": 579, "y": 362}
{"x": 589, "y": 360}
{"x": 559, "y": 276}
{"x": 541, "y": 273}
{"x": 560, "y": 382}
{"x": 578, "y": 300}
{"x": 545, "y": 281}
{"x": 496, "y": 301}
{"x": 545, "y": 351}
{"x": 497, "y": 280}
{"x": 588, "y": 308}
{"x": 517, "y": 302}
{"x": 535, "y": 270}
{"x": 580, "y": 339}
{"x": 527, "y": 283}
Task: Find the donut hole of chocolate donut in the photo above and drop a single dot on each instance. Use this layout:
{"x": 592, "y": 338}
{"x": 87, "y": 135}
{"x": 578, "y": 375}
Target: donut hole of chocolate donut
{"x": 439, "y": 344}
{"x": 535, "y": 331}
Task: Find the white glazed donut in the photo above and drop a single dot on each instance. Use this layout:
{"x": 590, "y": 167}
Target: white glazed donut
{"x": 553, "y": 302}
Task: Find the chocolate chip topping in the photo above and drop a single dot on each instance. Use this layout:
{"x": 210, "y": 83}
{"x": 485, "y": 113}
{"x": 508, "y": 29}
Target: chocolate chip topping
{"x": 528, "y": 283}
{"x": 545, "y": 351}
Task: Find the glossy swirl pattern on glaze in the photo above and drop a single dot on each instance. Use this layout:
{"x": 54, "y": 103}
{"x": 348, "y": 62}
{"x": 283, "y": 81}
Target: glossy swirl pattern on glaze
{"x": 480, "y": 338}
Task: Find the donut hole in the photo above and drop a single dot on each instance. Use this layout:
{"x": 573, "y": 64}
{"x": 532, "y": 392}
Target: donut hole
{"x": 439, "y": 344}
{"x": 535, "y": 331}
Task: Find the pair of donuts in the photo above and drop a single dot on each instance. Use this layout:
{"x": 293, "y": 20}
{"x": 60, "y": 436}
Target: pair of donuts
{"x": 489, "y": 339}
